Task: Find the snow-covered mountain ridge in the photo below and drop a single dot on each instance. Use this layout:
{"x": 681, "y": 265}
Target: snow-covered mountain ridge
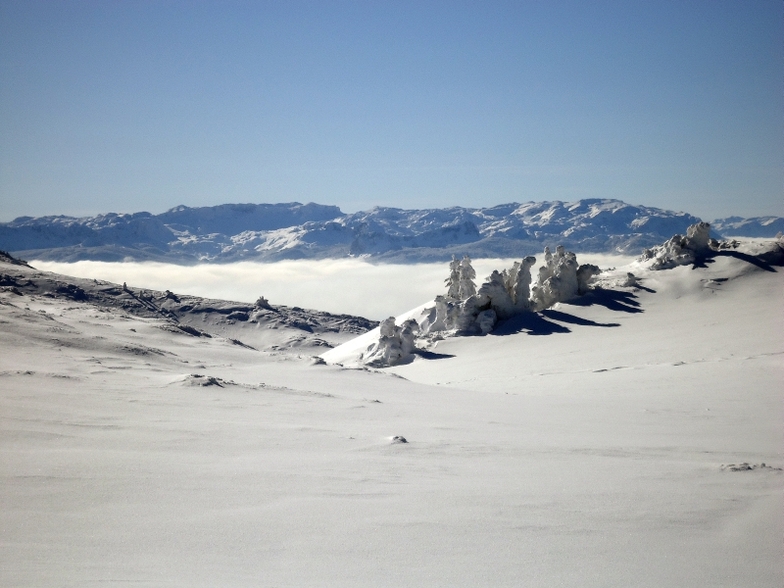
{"x": 232, "y": 232}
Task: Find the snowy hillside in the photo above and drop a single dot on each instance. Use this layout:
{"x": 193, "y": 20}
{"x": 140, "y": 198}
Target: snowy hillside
{"x": 261, "y": 326}
{"x": 630, "y": 436}
{"x": 311, "y": 231}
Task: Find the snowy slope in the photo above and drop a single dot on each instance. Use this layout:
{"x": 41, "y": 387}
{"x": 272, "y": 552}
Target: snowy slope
{"x": 590, "y": 446}
{"x": 261, "y": 325}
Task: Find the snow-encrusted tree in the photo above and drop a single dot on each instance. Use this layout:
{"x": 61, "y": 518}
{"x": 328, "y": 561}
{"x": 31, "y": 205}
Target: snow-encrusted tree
{"x": 467, "y": 275}
{"x": 453, "y": 281}
{"x": 494, "y": 294}
{"x": 518, "y": 283}
{"x": 557, "y": 279}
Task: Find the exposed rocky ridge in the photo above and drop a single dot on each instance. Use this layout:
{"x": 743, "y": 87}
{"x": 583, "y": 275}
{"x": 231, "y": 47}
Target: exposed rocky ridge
{"x": 233, "y": 232}
{"x": 191, "y": 315}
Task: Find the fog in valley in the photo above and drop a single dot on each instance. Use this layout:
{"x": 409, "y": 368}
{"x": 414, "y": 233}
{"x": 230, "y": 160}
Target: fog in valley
{"x": 351, "y": 286}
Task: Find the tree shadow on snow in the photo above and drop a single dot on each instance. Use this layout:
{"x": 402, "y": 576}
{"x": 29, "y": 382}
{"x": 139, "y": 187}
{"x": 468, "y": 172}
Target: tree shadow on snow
{"x": 532, "y": 322}
{"x": 575, "y": 320}
{"x": 549, "y": 322}
{"x": 616, "y": 300}
{"x": 758, "y": 261}
{"x": 432, "y": 355}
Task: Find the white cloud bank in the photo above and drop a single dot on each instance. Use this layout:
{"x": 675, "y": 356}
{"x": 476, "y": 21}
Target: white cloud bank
{"x": 350, "y": 286}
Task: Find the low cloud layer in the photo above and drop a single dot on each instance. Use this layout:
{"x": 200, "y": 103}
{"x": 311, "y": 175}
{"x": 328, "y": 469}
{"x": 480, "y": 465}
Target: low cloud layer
{"x": 348, "y": 286}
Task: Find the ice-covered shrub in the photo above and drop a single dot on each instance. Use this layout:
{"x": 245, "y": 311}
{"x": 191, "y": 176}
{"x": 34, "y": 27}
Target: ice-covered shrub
{"x": 485, "y": 321}
{"x": 631, "y": 281}
{"x": 395, "y": 343}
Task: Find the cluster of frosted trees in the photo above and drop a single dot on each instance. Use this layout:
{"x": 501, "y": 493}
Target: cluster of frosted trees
{"x": 464, "y": 310}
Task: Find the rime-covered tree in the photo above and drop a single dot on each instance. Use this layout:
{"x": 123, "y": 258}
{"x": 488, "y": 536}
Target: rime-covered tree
{"x": 453, "y": 281}
{"x": 520, "y": 286}
{"x": 494, "y": 294}
{"x": 467, "y": 275}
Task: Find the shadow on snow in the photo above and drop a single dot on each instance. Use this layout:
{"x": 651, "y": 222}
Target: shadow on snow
{"x": 616, "y": 300}
{"x": 549, "y": 322}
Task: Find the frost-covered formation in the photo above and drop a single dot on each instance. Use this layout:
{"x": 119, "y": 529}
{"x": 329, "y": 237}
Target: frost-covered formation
{"x": 466, "y": 310}
{"x": 560, "y": 278}
{"x": 557, "y": 279}
{"x": 504, "y": 294}
{"x": 395, "y": 343}
{"x": 696, "y": 246}
{"x": 460, "y": 284}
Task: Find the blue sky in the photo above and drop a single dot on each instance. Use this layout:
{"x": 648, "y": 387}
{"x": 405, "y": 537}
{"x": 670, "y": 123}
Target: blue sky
{"x": 126, "y": 106}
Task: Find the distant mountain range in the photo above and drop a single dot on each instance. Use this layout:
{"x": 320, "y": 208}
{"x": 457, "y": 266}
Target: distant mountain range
{"x": 268, "y": 232}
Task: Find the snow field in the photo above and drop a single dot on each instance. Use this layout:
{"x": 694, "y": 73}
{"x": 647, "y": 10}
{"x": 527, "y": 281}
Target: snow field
{"x": 583, "y": 448}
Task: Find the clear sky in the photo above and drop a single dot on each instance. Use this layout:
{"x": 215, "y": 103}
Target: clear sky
{"x": 143, "y": 105}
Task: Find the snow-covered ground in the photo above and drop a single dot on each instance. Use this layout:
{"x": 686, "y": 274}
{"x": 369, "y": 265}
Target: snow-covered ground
{"x": 589, "y": 445}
